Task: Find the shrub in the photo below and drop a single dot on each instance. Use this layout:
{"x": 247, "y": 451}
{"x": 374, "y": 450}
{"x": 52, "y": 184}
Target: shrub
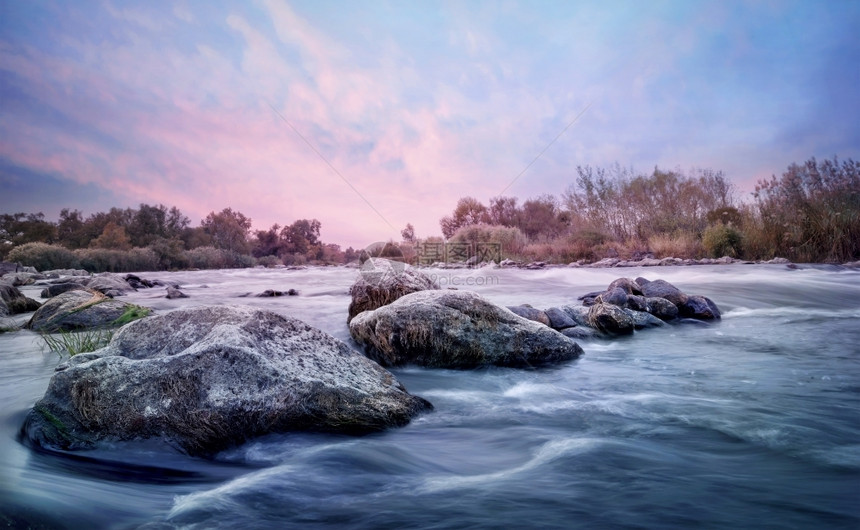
{"x": 105, "y": 260}
{"x": 170, "y": 253}
{"x": 812, "y": 212}
{"x": 269, "y": 261}
{"x": 678, "y": 245}
{"x": 101, "y": 259}
{"x": 43, "y": 257}
{"x": 206, "y": 258}
{"x": 142, "y": 259}
{"x": 510, "y": 240}
{"x": 722, "y": 240}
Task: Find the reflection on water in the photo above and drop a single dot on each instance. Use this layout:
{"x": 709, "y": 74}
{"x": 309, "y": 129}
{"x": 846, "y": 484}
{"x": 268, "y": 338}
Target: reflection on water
{"x": 751, "y": 421}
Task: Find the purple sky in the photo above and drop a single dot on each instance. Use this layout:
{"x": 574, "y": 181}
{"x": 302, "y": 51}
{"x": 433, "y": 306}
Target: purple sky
{"x": 414, "y": 104}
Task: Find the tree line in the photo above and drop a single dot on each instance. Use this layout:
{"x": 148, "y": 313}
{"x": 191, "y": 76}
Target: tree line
{"x": 155, "y": 237}
{"x": 811, "y": 213}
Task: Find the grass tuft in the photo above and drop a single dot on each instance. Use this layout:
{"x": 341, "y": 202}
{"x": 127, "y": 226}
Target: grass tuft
{"x": 132, "y": 313}
{"x": 75, "y": 342}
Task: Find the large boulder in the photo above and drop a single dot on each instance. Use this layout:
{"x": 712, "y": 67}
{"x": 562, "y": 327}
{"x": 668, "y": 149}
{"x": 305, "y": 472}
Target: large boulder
{"x": 206, "y": 378}
{"x": 13, "y": 302}
{"x": 381, "y": 281}
{"x": 456, "y": 329}
{"x": 75, "y": 310}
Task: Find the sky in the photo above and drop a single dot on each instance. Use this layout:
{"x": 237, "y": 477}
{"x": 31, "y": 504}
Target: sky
{"x": 371, "y": 115}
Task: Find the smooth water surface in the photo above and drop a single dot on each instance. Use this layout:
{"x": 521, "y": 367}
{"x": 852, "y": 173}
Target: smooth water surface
{"x": 753, "y": 421}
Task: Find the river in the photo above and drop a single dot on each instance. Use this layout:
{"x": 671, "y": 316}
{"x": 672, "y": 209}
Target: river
{"x": 752, "y": 421}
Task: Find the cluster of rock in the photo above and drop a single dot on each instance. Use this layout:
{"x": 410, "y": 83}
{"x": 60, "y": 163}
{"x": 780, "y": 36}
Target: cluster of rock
{"x": 400, "y": 316}
{"x": 111, "y": 285}
{"x": 461, "y": 329}
{"x": 205, "y": 378}
{"x": 28, "y": 275}
{"x": 639, "y": 261}
{"x": 202, "y": 379}
{"x": 625, "y": 306}
{"x": 456, "y": 329}
{"x": 272, "y": 293}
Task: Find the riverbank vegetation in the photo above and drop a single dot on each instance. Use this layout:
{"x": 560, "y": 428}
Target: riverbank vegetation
{"x": 159, "y": 238}
{"x": 811, "y": 213}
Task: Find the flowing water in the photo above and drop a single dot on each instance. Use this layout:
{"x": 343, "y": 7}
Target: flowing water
{"x": 753, "y": 421}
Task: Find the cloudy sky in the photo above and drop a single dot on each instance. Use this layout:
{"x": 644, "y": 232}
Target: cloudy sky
{"x": 369, "y": 115}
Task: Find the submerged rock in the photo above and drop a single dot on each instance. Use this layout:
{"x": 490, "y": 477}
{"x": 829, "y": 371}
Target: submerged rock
{"x": 456, "y": 329}
{"x": 174, "y": 293}
{"x": 382, "y": 281}
{"x": 82, "y": 309}
{"x": 207, "y": 378}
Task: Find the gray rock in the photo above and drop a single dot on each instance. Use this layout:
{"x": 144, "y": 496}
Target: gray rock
{"x": 559, "y": 319}
{"x": 13, "y": 302}
{"x": 616, "y": 296}
{"x": 642, "y": 320}
{"x": 54, "y": 289}
{"x": 77, "y": 310}
{"x": 662, "y": 308}
{"x": 637, "y": 303}
{"x": 381, "y": 282}
{"x": 578, "y": 314}
{"x": 136, "y": 282}
{"x": 110, "y": 284}
{"x": 629, "y": 286}
{"x": 606, "y": 263}
{"x": 529, "y": 312}
{"x": 700, "y": 308}
{"x": 456, "y": 329}
{"x": 174, "y": 293}
{"x": 68, "y": 272}
{"x": 578, "y": 333}
{"x": 207, "y": 378}
{"x": 663, "y": 289}
{"x": 610, "y": 319}
{"x": 18, "y": 279}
